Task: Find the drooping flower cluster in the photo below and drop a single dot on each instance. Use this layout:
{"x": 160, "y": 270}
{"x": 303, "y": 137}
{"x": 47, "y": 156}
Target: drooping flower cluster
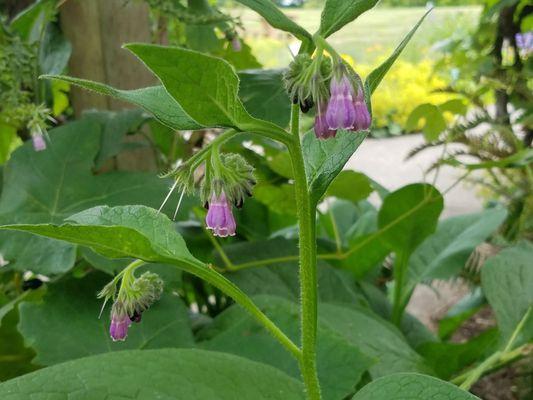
{"x": 336, "y": 91}
{"x": 134, "y": 297}
{"x": 233, "y": 181}
{"x": 225, "y": 181}
{"x": 37, "y": 127}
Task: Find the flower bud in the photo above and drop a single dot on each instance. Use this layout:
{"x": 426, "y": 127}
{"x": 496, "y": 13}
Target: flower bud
{"x": 220, "y": 217}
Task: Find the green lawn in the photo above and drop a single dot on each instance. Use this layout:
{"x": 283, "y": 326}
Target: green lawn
{"x": 372, "y": 35}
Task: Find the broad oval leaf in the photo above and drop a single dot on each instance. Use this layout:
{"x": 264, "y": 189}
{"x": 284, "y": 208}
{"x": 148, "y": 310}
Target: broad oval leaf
{"x": 264, "y": 95}
{"x": 261, "y": 273}
{"x": 268, "y": 10}
{"x": 206, "y": 87}
{"x": 340, "y": 363}
{"x": 507, "y": 281}
{"x": 409, "y": 215}
{"x": 168, "y": 374}
{"x": 443, "y": 254}
{"x": 324, "y": 159}
{"x": 119, "y": 232}
{"x": 411, "y": 387}
{"x": 375, "y": 338}
{"x": 337, "y": 13}
{"x": 350, "y": 185}
{"x": 154, "y": 100}
{"x": 48, "y": 186}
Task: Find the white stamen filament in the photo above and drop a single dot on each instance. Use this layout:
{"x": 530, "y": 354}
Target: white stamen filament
{"x": 179, "y": 204}
{"x": 168, "y": 196}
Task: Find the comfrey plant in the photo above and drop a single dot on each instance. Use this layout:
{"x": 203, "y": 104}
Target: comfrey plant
{"x": 198, "y": 91}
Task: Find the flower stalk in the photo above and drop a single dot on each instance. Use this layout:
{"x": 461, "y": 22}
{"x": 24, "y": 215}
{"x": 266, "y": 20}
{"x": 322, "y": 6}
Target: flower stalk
{"x": 308, "y": 274}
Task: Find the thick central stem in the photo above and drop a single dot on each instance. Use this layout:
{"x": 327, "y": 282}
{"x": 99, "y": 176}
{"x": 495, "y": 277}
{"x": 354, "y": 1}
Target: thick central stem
{"x": 308, "y": 280}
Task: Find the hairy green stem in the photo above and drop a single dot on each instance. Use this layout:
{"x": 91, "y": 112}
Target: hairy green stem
{"x": 400, "y": 269}
{"x": 308, "y": 275}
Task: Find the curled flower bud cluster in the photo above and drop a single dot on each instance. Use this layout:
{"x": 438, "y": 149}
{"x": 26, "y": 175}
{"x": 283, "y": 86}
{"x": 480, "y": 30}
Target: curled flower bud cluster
{"x": 304, "y": 78}
{"x": 135, "y": 296}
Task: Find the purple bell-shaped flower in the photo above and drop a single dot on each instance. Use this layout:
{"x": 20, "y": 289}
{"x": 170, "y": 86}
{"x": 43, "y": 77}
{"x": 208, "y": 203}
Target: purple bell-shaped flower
{"x": 322, "y": 130}
{"x": 120, "y": 322}
{"x": 39, "y": 143}
{"x": 220, "y": 216}
{"x": 340, "y": 113}
{"x": 362, "y": 116}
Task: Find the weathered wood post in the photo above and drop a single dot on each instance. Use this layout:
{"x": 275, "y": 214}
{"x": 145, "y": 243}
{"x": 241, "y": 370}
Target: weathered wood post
{"x": 97, "y": 29}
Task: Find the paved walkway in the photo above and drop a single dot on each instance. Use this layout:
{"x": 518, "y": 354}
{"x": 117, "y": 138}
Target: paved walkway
{"x": 384, "y": 160}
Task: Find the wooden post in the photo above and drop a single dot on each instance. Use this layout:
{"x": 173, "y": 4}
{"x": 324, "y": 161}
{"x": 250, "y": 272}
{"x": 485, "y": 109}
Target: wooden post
{"x": 97, "y": 29}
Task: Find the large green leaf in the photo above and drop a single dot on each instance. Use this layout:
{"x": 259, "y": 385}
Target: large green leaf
{"x": 433, "y": 118}
{"x": 409, "y": 215}
{"x": 279, "y": 274}
{"x": 415, "y": 332}
{"x": 54, "y": 51}
{"x": 47, "y": 186}
{"x": 374, "y": 337}
{"x": 119, "y": 232}
{"x": 168, "y": 374}
{"x": 337, "y": 13}
{"x": 30, "y": 22}
{"x": 268, "y": 10}
{"x": 15, "y": 356}
{"x": 206, "y": 87}
{"x": 411, "y": 387}
{"x": 340, "y": 364}
{"x": 324, "y": 159}
{"x": 507, "y": 281}
{"x": 376, "y": 76}
{"x": 446, "y": 252}
{"x": 8, "y": 140}
{"x": 264, "y": 95}
{"x": 448, "y": 359}
{"x": 115, "y": 125}
{"x": 154, "y": 100}
{"x": 350, "y": 185}
{"x": 65, "y": 324}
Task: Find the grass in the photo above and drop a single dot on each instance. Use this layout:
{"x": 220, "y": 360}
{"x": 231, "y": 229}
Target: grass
{"x": 370, "y": 37}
